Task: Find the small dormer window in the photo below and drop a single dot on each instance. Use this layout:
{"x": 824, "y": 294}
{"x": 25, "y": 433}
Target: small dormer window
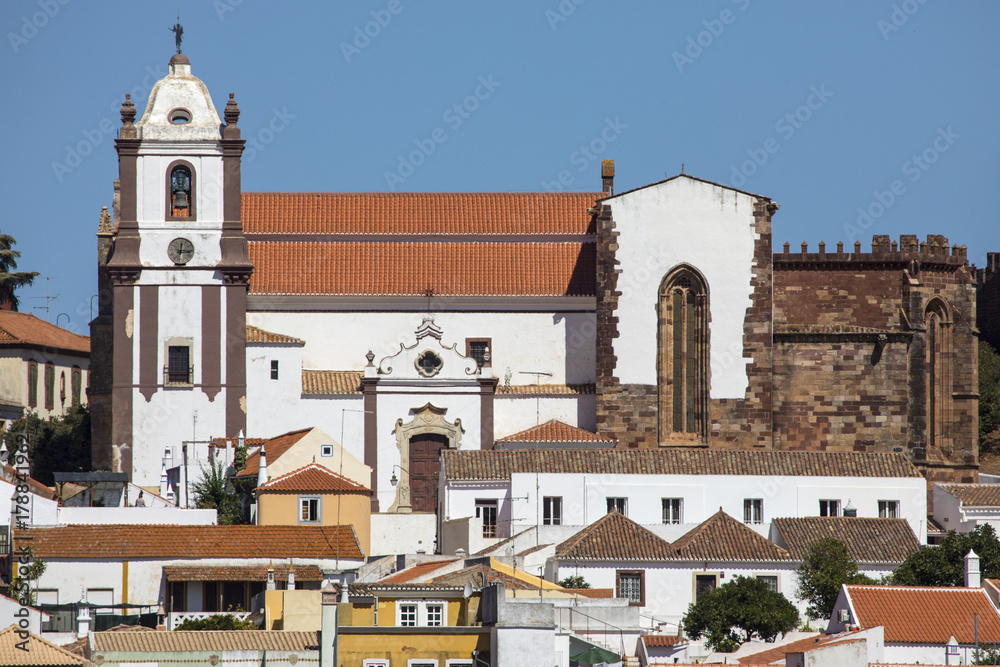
{"x": 180, "y": 191}
{"x": 179, "y": 116}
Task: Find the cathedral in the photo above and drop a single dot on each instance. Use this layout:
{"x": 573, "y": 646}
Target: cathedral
{"x": 402, "y": 324}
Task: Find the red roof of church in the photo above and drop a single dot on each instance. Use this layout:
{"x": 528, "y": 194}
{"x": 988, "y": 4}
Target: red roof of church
{"x": 555, "y": 431}
{"x": 26, "y": 330}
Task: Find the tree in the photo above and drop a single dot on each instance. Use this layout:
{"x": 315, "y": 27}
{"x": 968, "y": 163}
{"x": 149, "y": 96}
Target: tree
{"x": 56, "y": 444}
{"x": 738, "y": 611}
{"x": 10, "y": 280}
{"x": 944, "y": 564}
{"x": 575, "y": 581}
{"x": 825, "y": 568}
{"x": 218, "y": 622}
{"x": 989, "y": 398}
{"x": 215, "y": 491}
{"x": 19, "y": 587}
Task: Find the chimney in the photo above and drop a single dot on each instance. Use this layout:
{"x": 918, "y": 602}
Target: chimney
{"x": 328, "y": 627}
{"x": 164, "y": 481}
{"x": 270, "y": 577}
{"x": 291, "y": 577}
{"x": 972, "y": 579}
{"x": 262, "y": 471}
{"x": 83, "y": 617}
{"x": 608, "y": 177}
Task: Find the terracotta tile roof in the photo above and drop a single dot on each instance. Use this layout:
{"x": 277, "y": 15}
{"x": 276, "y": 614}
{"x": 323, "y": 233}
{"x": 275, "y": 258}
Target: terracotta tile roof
{"x": 313, "y": 478}
{"x": 239, "y": 572}
{"x": 662, "y": 640}
{"x": 925, "y": 615}
{"x": 402, "y": 268}
{"x": 412, "y": 213}
{"x": 516, "y": 390}
{"x": 475, "y": 573}
{"x": 257, "y": 335}
{"x": 80, "y": 646}
{"x": 799, "y": 645}
{"x": 273, "y": 448}
{"x": 868, "y": 540}
{"x": 331, "y": 383}
{"x": 167, "y": 541}
{"x": 41, "y": 652}
{"x": 10, "y": 474}
{"x": 594, "y": 593}
{"x": 975, "y": 495}
{"x": 555, "y": 431}
{"x": 205, "y": 640}
{"x": 721, "y": 537}
{"x": 418, "y": 571}
{"x": 499, "y": 464}
{"x": 26, "y": 330}
{"x": 233, "y": 440}
{"x": 615, "y": 537}
{"x": 381, "y": 588}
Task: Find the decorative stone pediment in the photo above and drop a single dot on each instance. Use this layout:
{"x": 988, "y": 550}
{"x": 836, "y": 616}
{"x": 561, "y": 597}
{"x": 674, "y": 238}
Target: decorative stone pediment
{"x": 429, "y": 358}
{"x": 427, "y": 419}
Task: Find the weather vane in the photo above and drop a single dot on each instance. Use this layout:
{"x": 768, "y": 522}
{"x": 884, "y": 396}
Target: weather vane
{"x": 178, "y": 31}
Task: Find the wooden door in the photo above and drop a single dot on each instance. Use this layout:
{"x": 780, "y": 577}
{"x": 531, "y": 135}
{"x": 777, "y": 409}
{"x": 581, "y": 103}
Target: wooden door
{"x": 425, "y": 464}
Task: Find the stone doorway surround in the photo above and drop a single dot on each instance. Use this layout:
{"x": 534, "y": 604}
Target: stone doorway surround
{"x": 426, "y": 419}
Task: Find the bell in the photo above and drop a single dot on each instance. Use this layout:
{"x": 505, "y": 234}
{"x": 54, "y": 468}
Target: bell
{"x": 180, "y": 199}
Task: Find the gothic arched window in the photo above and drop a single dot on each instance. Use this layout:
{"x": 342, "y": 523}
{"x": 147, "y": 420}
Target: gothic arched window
{"x": 180, "y": 191}
{"x": 937, "y": 369}
{"x": 683, "y": 355}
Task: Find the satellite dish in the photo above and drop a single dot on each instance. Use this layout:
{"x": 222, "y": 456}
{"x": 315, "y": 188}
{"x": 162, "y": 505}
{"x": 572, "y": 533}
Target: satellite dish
{"x": 468, "y": 590}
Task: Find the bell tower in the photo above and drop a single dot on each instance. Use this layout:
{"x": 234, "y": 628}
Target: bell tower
{"x": 178, "y": 270}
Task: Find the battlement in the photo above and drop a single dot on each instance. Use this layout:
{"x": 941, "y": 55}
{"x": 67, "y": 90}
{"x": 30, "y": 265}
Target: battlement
{"x": 990, "y": 271}
{"x": 935, "y": 250}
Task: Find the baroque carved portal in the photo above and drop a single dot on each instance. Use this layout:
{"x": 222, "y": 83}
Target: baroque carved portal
{"x": 420, "y": 442}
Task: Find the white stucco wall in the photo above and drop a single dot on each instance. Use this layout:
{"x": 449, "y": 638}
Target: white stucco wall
{"x": 683, "y": 221}
{"x": 14, "y": 379}
{"x": 950, "y": 514}
{"x": 403, "y": 534}
{"x": 516, "y": 413}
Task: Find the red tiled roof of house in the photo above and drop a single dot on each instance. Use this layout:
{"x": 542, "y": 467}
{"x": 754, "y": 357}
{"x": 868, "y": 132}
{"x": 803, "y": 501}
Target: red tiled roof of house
{"x": 136, "y": 541}
{"x": 916, "y": 615}
{"x": 615, "y": 537}
{"x": 33, "y": 651}
{"x": 331, "y": 383}
{"x": 313, "y": 478}
{"x": 418, "y": 571}
{"x": 721, "y": 537}
{"x": 205, "y": 640}
{"x": 26, "y": 330}
{"x": 975, "y": 495}
{"x": 11, "y": 475}
{"x": 662, "y": 640}
{"x": 868, "y": 540}
{"x": 273, "y": 449}
{"x": 778, "y": 652}
{"x": 416, "y": 213}
{"x": 404, "y": 268}
{"x": 258, "y": 335}
{"x": 475, "y": 574}
{"x": 239, "y": 572}
{"x": 555, "y": 431}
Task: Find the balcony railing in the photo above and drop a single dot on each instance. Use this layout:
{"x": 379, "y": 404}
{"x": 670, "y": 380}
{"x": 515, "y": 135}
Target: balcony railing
{"x": 177, "y": 617}
{"x": 178, "y": 377}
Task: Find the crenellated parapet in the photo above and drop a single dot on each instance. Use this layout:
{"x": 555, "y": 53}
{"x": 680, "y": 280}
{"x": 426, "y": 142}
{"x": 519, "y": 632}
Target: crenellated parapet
{"x": 934, "y": 251}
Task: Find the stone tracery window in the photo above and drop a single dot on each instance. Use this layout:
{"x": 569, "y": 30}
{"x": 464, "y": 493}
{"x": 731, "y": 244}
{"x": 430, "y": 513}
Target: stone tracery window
{"x": 683, "y": 356}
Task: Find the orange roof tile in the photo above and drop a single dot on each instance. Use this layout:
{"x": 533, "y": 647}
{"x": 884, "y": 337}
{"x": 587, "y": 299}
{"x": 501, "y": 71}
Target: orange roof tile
{"x": 26, "y": 330}
{"x": 418, "y": 571}
{"x": 239, "y": 572}
{"x": 475, "y": 574}
{"x": 721, "y": 537}
{"x": 39, "y": 651}
{"x": 662, "y": 640}
{"x": 401, "y": 268}
{"x": 798, "y": 646}
{"x": 615, "y": 537}
{"x": 258, "y": 335}
{"x": 167, "y": 541}
{"x": 205, "y": 640}
{"x": 868, "y": 540}
{"x": 975, "y": 495}
{"x": 10, "y": 474}
{"x": 516, "y": 390}
{"x": 555, "y": 431}
{"x": 410, "y": 213}
{"x": 313, "y": 478}
{"x": 925, "y": 615}
{"x": 273, "y": 448}
{"x": 331, "y": 383}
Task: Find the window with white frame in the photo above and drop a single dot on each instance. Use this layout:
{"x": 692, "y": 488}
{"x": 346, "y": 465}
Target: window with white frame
{"x": 326, "y": 450}
{"x": 753, "y": 510}
{"x": 101, "y": 597}
{"x": 829, "y": 508}
{"x": 552, "y": 510}
{"x": 309, "y": 509}
{"x": 672, "y": 510}
{"x": 374, "y": 662}
{"x": 620, "y": 504}
{"x": 458, "y": 663}
{"x": 421, "y": 613}
{"x": 486, "y": 512}
{"x": 771, "y": 580}
{"x": 888, "y": 509}
{"x": 435, "y": 615}
{"x": 408, "y": 615}
{"x": 421, "y": 662}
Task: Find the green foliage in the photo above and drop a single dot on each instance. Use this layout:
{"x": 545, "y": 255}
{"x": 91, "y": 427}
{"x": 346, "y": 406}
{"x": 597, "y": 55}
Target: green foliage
{"x": 218, "y": 622}
{"x": 19, "y": 587}
{"x": 215, "y": 491}
{"x": 986, "y": 655}
{"x": 989, "y": 398}
{"x": 57, "y": 444}
{"x": 738, "y": 611}
{"x": 826, "y": 567}
{"x": 944, "y": 564}
{"x": 10, "y": 280}
{"x": 576, "y": 581}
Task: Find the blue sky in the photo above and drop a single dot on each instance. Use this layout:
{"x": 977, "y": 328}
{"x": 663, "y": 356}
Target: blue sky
{"x": 885, "y": 106}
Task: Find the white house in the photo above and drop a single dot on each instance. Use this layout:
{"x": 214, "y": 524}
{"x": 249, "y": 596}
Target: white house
{"x": 964, "y": 507}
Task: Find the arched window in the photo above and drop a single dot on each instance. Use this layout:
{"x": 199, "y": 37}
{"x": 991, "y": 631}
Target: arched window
{"x": 76, "y": 385}
{"x": 50, "y": 386}
{"x": 32, "y": 384}
{"x": 683, "y": 355}
{"x": 937, "y": 369}
{"x": 180, "y": 191}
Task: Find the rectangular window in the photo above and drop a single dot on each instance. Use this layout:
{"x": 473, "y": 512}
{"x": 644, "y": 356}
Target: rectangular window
{"x": 478, "y": 349}
{"x": 210, "y": 596}
{"x": 552, "y": 510}
{"x": 672, "y": 510}
{"x": 326, "y": 450}
{"x": 102, "y": 598}
{"x": 486, "y": 511}
{"x": 179, "y": 364}
{"x": 178, "y": 596}
{"x": 829, "y": 508}
{"x": 50, "y": 386}
{"x": 435, "y": 615}
{"x": 771, "y": 581}
{"x": 274, "y": 369}
{"x": 76, "y": 385}
{"x": 630, "y": 585}
{"x": 408, "y": 615}
{"x": 888, "y": 509}
{"x": 32, "y": 384}
{"x": 376, "y": 662}
{"x": 753, "y": 510}
{"x": 620, "y": 504}
{"x": 309, "y": 509}
{"x": 4, "y": 540}
{"x": 704, "y": 583}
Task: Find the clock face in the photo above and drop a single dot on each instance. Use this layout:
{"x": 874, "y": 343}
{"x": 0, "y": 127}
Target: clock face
{"x": 180, "y": 251}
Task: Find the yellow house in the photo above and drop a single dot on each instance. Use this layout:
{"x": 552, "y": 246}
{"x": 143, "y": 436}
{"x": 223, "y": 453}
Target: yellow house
{"x": 315, "y": 495}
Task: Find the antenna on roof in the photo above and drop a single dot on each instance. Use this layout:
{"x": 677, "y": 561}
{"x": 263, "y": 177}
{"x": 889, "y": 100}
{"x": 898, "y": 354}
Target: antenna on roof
{"x": 46, "y": 297}
{"x": 682, "y": 167}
